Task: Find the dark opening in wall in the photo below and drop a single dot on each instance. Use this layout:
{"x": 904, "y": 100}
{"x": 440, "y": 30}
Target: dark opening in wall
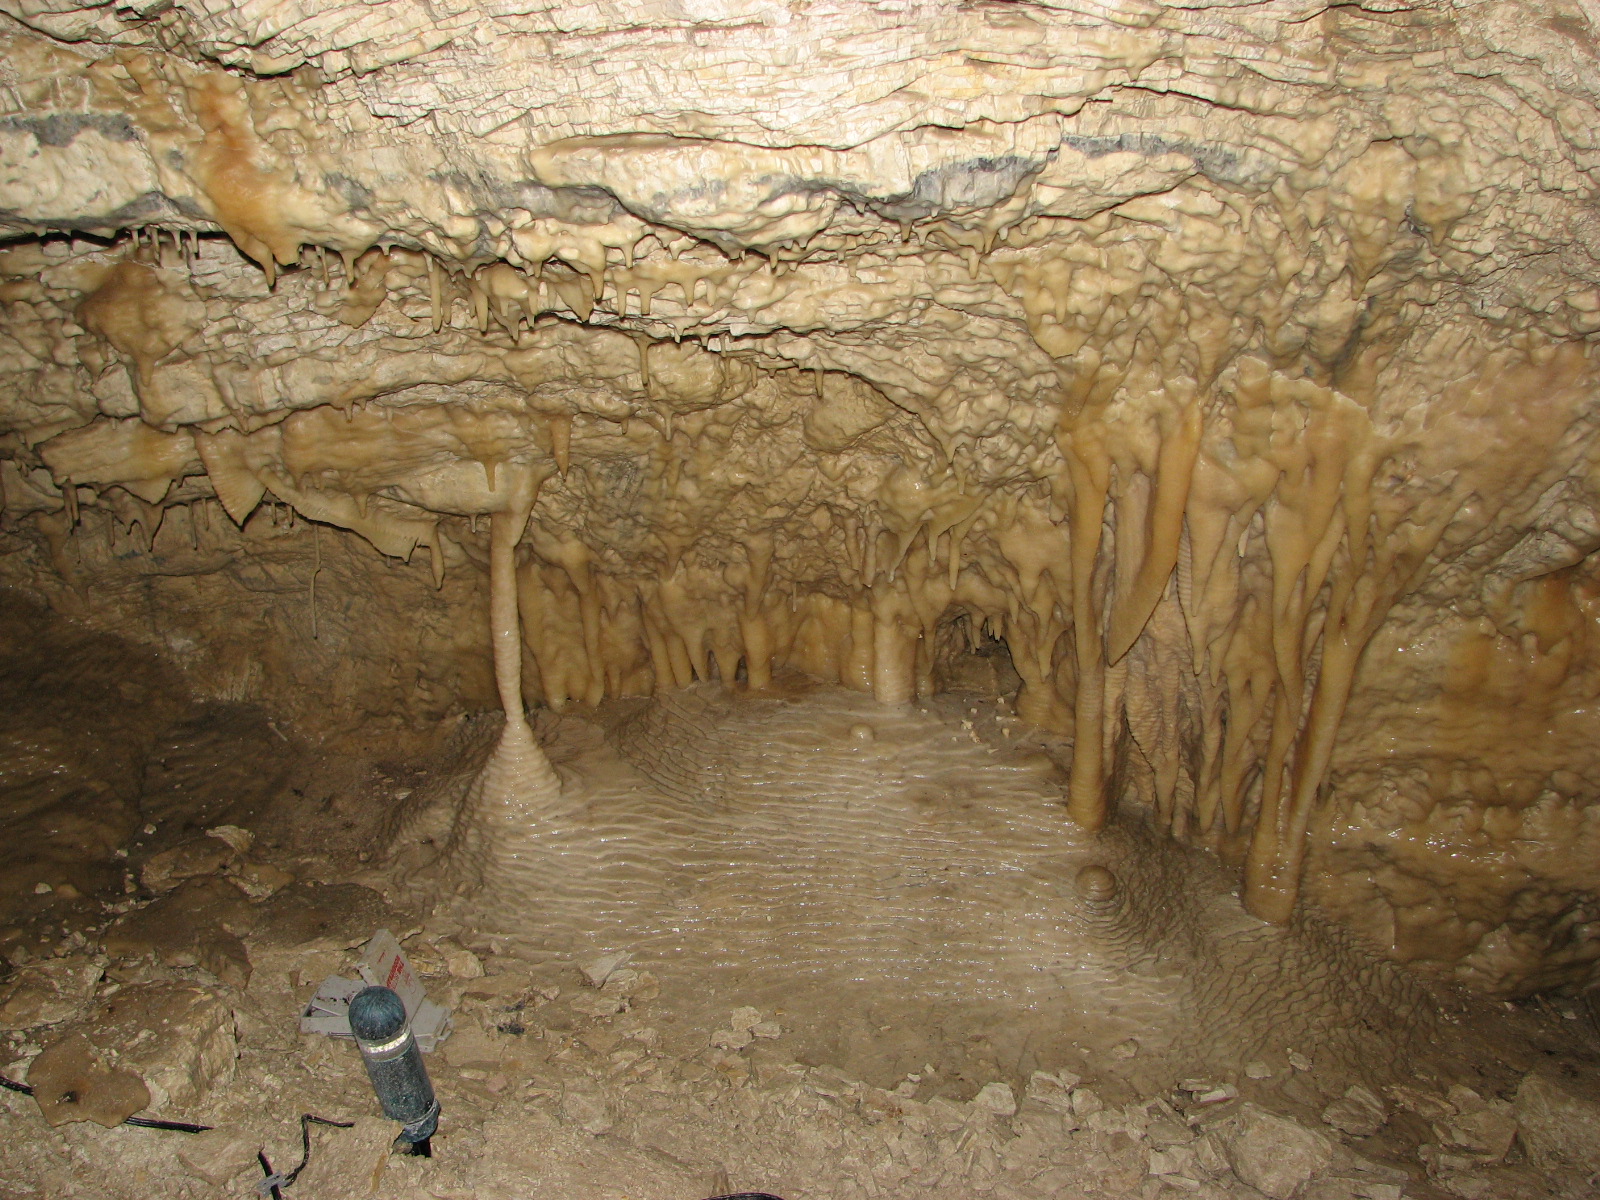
{"x": 968, "y": 657}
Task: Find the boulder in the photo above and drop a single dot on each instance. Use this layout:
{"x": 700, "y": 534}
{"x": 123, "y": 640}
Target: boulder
{"x": 204, "y": 855}
{"x": 174, "y": 928}
{"x": 180, "y": 1040}
{"x": 1483, "y": 1129}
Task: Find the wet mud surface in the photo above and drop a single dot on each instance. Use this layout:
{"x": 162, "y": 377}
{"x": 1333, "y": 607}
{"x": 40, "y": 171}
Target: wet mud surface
{"x": 866, "y": 954}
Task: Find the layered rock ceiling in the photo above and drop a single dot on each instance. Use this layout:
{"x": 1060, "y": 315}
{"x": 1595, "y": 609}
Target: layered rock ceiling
{"x": 1231, "y": 363}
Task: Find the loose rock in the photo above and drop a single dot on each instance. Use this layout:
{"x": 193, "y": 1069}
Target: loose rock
{"x": 1359, "y": 1112}
{"x": 463, "y": 964}
{"x": 48, "y": 994}
{"x": 217, "y": 1156}
{"x": 1559, "y": 1123}
{"x": 346, "y": 1164}
{"x": 1274, "y": 1154}
{"x": 587, "y": 1110}
{"x": 996, "y": 1098}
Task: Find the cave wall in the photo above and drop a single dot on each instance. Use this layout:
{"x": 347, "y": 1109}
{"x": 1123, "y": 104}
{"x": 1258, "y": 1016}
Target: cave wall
{"x": 1233, "y": 364}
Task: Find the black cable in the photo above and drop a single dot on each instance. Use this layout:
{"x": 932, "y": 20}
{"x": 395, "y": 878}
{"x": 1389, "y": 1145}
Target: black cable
{"x": 273, "y": 1184}
{"x": 136, "y": 1122}
{"x": 157, "y": 1123}
{"x": 306, "y": 1122}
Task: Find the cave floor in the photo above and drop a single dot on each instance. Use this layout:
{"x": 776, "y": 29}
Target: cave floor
{"x": 860, "y": 963}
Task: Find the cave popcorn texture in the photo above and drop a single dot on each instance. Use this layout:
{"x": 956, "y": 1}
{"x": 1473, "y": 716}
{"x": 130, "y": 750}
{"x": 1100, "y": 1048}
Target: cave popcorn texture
{"x": 1223, "y": 363}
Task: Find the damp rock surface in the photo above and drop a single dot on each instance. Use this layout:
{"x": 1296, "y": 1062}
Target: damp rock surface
{"x": 1043, "y": 543}
{"x": 73, "y": 1081}
{"x": 1215, "y": 380}
{"x": 1558, "y": 1119}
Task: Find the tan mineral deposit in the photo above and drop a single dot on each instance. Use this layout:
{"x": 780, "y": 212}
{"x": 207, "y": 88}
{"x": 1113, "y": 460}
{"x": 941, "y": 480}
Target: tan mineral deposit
{"x": 890, "y": 600}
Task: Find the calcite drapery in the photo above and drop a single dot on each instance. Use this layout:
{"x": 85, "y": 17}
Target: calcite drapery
{"x": 1211, "y": 357}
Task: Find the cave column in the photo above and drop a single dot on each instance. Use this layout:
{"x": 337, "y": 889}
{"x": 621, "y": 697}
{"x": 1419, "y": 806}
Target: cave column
{"x": 518, "y": 775}
{"x": 894, "y": 662}
{"x": 1089, "y": 469}
{"x": 894, "y": 645}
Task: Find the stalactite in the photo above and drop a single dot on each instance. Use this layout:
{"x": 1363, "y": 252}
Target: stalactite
{"x": 1174, "y": 470}
{"x": 1165, "y": 498}
{"x": 1089, "y": 475}
{"x": 435, "y": 294}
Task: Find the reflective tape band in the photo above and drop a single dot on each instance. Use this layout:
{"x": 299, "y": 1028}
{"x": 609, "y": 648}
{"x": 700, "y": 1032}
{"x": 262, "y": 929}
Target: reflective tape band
{"x": 389, "y": 1046}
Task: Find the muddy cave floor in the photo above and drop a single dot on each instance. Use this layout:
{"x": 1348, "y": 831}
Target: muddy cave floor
{"x": 865, "y": 960}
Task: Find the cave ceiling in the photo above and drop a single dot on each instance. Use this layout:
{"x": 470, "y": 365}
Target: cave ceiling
{"x": 1232, "y": 363}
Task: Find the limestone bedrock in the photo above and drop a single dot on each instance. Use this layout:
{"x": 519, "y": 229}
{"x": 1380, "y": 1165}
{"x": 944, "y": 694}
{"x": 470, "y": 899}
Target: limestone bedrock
{"x": 1232, "y": 364}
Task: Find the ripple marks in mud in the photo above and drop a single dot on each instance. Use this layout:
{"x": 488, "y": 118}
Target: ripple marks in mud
{"x": 798, "y": 849}
{"x": 792, "y": 848}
